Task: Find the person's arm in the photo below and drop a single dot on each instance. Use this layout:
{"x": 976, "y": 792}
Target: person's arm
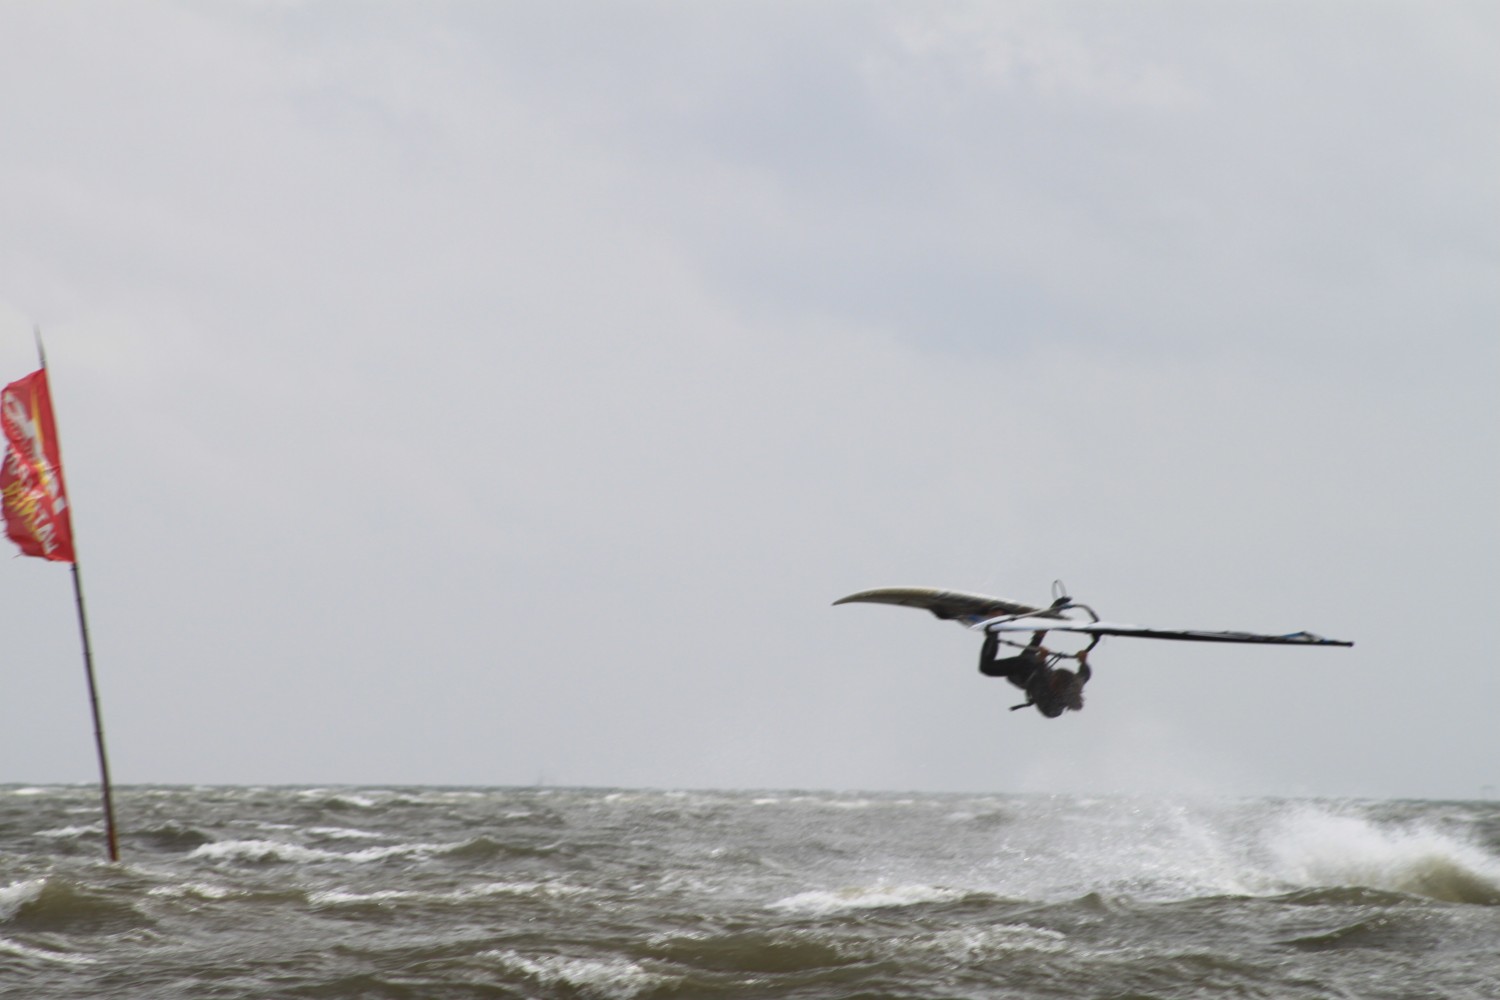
{"x": 987, "y": 653}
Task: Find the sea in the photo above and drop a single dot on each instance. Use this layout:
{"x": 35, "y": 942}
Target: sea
{"x": 345, "y": 892}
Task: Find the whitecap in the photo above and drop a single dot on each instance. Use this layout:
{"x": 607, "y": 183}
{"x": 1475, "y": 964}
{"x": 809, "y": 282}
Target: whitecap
{"x": 975, "y": 943}
{"x": 358, "y": 801}
{"x": 336, "y": 897}
{"x": 1313, "y": 848}
{"x": 544, "y": 889}
{"x": 395, "y": 851}
{"x": 197, "y": 890}
{"x": 825, "y": 901}
{"x": 16, "y": 948}
{"x": 261, "y": 850}
{"x": 616, "y": 978}
{"x": 276, "y": 850}
{"x": 343, "y": 833}
{"x": 66, "y": 832}
{"x": 342, "y": 798}
{"x": 18, "y": 894}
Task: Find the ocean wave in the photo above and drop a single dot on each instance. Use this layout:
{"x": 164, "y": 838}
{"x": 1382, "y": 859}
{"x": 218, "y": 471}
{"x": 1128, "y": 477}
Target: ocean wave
{"x": 1313, "y": 848}
{"x": 337, "y": 801}
{"x": 820, "y": 902}
{"x": 10, "y": 947}
{"x": 484, "y": 848}
{"x": 60, "y": 905}
{"x": 270, "y": 851}
{"x": 607, "y": 979}
{"x": 72, "y": 832}
{"x": 172, "y": 837}
{"x": 1374, "y": 932}
{"x": 262, "y": 851}
{"x": 535, "y": 890}
{"x": 973, "y": 944}
{"x": 980, "y": 820}
{"x": 1164, "y": 850}
{"x": 343, "y": 897}
{"x": 343, "y": 833}
{"x": 195, "y": 890}
{"x": 757, "y": 951}
{"x": 19, "y": 894}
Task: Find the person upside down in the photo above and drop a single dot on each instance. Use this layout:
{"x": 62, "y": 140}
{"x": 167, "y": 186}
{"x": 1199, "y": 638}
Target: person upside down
{"x": 1052, "y": 690}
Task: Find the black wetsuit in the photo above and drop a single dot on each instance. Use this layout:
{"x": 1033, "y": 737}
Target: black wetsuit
{"x": 1052, "y": 691}
{"x": 1020, "y": 669}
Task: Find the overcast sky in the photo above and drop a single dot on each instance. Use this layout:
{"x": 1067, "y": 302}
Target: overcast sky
{"x": 477, "y": 393}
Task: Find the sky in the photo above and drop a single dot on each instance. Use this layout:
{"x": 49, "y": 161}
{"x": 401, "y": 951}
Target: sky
{"x": 501, "y": 394}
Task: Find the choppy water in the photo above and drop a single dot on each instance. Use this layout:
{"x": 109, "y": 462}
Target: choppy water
{"x": 434, "y": 893}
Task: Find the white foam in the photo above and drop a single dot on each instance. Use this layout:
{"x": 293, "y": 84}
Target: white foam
{"x": 343, "y": 833}
{"x": 261, "y": 850}
{"x": 549, "y": 889}
{"x": 1313, "y": 848}
{"x": 18, "y": 894}
{"x": 824, "y": 901}
{"x": 276, "y": 850}
{"x": 337, "y": 897}
{"x": 1142, "y": 848}
{"x": 589, "y": 977}
{"x": 358, "y": 801}
{"x": 976, "y": 943}
{"x": 16, "y": 948}
{"x": 343, "y": 798}
{"x": 65, "y": 832}
{"x": 197, "y": 890}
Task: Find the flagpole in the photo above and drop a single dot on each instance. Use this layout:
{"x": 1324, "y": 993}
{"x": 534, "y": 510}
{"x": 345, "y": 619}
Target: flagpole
{"x": 112, "y": 839}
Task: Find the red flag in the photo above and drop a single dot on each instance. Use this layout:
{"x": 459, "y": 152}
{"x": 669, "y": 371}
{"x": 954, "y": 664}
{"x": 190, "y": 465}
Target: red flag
{"x": 31, "y": 482}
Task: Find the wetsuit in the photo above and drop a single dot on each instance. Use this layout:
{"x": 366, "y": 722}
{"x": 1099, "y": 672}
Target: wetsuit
{"x": 1052, "y": 691}
{"x": 1020, "y": 669}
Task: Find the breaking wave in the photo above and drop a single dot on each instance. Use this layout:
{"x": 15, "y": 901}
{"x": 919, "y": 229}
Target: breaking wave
{"x": 1313, "y": 848}
{"x": 274, "y": 851}
{"x": 53, "y": 906}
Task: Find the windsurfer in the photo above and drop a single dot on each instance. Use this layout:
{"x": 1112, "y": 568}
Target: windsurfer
{"x": 1051, "y": 689}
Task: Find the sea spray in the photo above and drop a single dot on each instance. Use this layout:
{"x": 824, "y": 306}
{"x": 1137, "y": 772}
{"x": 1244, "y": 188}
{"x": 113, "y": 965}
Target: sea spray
{"x": 1315, "y": 847}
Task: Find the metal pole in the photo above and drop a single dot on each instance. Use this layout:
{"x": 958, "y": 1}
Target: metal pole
{"x": 111, "y": 838}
